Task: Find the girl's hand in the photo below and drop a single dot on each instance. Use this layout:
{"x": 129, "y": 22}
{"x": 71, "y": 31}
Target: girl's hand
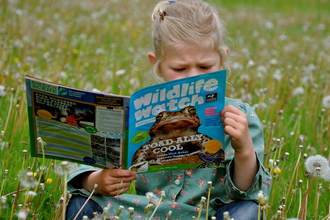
{"x": 237, "y": 127}
{"x": 111, "y": 182}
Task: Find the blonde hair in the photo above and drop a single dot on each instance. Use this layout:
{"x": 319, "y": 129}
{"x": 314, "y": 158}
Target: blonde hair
{"x": 188, "y": 22}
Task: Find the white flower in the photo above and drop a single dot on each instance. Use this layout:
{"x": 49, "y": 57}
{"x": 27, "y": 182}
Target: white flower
{"x": 298, "y": 91}
{"x": 63, "y": 75}
{"x": 269, "y": 25}
{"x": 277, "y": 75}
{"x": 317, "y": 165}
{"x": 96, "y": 90}
{"x": 66, "y": 168}
{"x": 120, "y": 72}
{"x": 152, "y": 198}
{"x": 22, "y": 214}
{"x": 326, "y": 101}
{"x": 237, "y": 66}
{"x": 326, "y": 175}
{"x": 27, "y": 179}
{"x": 2, "y": 91}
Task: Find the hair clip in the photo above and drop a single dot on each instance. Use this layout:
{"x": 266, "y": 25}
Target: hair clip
{"x": 162, "y": 14}
{"x": 171, "y": 2}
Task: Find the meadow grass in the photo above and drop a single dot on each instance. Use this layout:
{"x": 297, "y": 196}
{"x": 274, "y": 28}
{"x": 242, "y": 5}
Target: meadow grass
{"x": 280, "y": 65}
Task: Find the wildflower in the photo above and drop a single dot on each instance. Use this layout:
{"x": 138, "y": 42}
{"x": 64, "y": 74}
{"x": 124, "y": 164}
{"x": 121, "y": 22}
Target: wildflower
{"x": 30, "y": 195}
{"x": 168, "y": 214}
{"x": 75, "y": 51}
{"x": 131, "y": 212}
{"x": 326, "y": 101}
{"x": 120, "y": 208}
{"x": 3, "y": 200}
{"x": 96, "y": 90}
{"x": 298, "y": 91}
{"x": 147, "y": 209}
{"x": 27, "y": 179}
{"x": 41, "y": 143}
{"x": 326, "y": 175}
{"x": 261, "y": 198}
{"x": 277, "y": 170}
{"x": 152, "y": 198}
{"x": 226, "y": 216}
{"x": 22, "y": 214}
{"x": 63, "y": 75}
{"x": 317, "y": 165}
{"x": 163, "y": 195}
{"x": 120, "y": 72}
{"x": 277, "y": 75}
{"x": 66, "y": 168}
{"x": 2, "y": 91}
{"x": 49, "y": 180}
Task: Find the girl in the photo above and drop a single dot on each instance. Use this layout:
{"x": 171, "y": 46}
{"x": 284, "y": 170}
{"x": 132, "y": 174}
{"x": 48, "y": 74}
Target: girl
{"x": 188, "y": 40}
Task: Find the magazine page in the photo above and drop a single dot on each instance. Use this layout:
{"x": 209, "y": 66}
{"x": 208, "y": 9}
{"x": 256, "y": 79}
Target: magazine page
{"x": 77, "y": 125}
{"x": 177, "y": 125}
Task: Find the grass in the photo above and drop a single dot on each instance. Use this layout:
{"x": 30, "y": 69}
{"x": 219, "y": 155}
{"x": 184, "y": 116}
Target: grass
{"x": 276, "y": 47}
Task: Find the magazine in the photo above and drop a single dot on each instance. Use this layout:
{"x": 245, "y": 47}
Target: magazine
{"x": 173, "y": 125}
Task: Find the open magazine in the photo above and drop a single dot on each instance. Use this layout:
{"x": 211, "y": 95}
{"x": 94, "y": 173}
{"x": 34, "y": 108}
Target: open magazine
{"x": 173, "y": 125}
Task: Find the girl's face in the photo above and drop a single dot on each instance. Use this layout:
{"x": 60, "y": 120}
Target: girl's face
{"x": 188, "y": 60}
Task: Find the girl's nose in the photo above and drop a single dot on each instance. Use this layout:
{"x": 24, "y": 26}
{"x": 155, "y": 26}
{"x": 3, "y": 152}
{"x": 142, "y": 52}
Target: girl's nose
{"x": 193, "y": 72}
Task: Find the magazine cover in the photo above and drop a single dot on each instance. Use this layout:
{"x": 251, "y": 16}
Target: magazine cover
{"x": 77, "y": 125}
{"x": 173, "y": 125}
{"x": 177, "y": 125}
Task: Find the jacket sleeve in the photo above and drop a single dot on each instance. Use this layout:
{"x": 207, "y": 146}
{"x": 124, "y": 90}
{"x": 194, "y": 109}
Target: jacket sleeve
{"x": 262, "y": 180}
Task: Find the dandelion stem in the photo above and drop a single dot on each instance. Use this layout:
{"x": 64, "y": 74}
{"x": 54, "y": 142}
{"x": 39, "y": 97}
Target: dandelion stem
{"x": 83, "y": 206}
{"x": 34, "y": 216}
{"x": 317, "y": 194}
{"x": 303, "y": 211}
{"x": 153, "y": 213}
{"x": 16, "y": 199}
{"x": 64, "y": 193}
{"x": 292, "y": 179}
{"x": 208, "y": 199}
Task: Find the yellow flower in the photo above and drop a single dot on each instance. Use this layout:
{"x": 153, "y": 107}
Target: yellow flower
{"x": 277, "y": 170}
{"x": 75, "y": 51}
{"x": 16, "y": 59}
{"x": 64, "y": 46}
{"x": 49, "y": 180}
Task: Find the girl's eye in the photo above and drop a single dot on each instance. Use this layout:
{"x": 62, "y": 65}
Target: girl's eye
{"x": 205, "y": 67}
{"x": 179, "y": 69}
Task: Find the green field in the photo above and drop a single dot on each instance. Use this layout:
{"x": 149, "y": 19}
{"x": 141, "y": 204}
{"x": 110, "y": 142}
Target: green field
{"x": 280, "y": 65}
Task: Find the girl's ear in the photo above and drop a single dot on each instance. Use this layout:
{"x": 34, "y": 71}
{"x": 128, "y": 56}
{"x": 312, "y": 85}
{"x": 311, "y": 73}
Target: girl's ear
{"x": 152, "y": 58}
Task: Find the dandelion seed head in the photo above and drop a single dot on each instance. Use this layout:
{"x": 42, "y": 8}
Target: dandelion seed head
{"x": 96, "y": 90}
{"x": 326, "y": 101}
{"x": 151, "y": 197}
{"x": 317, "y": 165}
{"x": 65, "y": 168}
{"x": 27, "y": 179}
{"x": 120, "y": 72}
{"x": 298, "y": 91}
{"x": 326, "y": 175}
{"x": 63, "y": 75}
{"x": 22, "y": 214}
